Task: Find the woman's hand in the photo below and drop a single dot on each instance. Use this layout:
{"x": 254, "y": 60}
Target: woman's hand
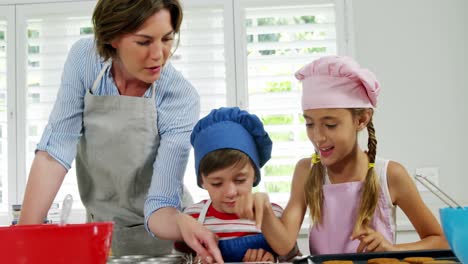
{"x": 371, "y": 241}
{"x": 251, "y": 206}
{"x": 200, "y": 239}
{"x": 258, "y": 255}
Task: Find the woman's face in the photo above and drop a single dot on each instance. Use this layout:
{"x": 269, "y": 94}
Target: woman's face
{"x": 225, "y": 186}
{"x": 143, "y": 53}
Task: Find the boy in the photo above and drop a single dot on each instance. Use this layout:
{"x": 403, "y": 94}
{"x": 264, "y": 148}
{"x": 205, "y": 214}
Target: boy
{"x": 230, "y": 147}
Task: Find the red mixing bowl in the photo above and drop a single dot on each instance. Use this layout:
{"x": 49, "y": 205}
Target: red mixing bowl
{"x": 72, "y": 243}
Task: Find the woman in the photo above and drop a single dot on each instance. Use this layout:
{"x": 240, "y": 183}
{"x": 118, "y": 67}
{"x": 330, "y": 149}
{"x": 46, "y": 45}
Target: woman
{"x": 126, "y": 114}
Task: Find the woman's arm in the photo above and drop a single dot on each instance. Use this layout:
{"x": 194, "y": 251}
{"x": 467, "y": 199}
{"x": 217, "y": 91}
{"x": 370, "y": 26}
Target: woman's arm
{"x": 178, "y": 109}
{"x": 186, "y": 228}
{"x": 44, "y": 181}
{"x": 405, "y": 195}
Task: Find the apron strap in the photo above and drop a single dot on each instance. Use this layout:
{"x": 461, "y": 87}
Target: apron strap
{"x": 103, "y": 70}
{"x": 153, "y": 90}
{"x": 99, "y": 77}
{"x": 202, "y": 215}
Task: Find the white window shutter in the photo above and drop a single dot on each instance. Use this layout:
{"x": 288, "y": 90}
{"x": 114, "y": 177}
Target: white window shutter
{"x": 281, "y": 39}
{"x": 202, "y": 57}
{"x": 3, "y": 117}
{"x": 200, "y": 54}
{"x": 50, "y": 30}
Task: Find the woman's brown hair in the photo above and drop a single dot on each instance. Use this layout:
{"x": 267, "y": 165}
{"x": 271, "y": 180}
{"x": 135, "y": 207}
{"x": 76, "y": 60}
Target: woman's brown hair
{"x": 115, "y": 18}
{"x": 313, "y": 188}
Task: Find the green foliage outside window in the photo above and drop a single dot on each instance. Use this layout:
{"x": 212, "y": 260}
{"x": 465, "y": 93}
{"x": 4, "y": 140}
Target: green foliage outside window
{"x": 34, "y": 49}
{"x": 305, "y": 20}
{"x": 278, "y": 87}
{"x": 277, "y": 120}
{"x": 304, "y": 35}
{"x": 86, "y": 30}
{"x": 315, "y": 50}
{"x": 278, "y": 187}
{"x": 281, "y": 136}
{"x": 32, "y": 33}
{"x": 34, "y": 64}
{"x": 2, "y": 35}
{"x": 277, "y": 37}
{"x": 274, "y": 21}
{"x": 274, "y": 37}
{"x": 35, "y": 98}
{"x": 271, "y": 21}
{"x": 267, "y": 52}
{"x": 279, "y": 170}
{"x": 301, "y": 119}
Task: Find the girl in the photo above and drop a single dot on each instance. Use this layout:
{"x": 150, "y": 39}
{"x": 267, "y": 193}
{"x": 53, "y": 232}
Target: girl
{"x": 352, "y": 194}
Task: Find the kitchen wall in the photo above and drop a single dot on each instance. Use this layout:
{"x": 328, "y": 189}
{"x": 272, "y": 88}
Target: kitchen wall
{"x": 419, "y": 51}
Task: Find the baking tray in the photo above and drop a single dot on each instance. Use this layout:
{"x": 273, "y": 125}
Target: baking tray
{"x": 361, "y": 258}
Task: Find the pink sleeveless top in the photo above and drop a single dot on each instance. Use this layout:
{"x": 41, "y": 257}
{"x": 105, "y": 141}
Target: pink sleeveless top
{"x": 340, "y": 209}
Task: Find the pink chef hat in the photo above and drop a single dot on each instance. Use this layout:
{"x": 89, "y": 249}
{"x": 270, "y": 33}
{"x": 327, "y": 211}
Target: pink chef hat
{"x": 337, "y": 82}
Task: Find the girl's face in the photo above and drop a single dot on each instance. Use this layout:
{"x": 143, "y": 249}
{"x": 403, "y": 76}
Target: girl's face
{"x": 143, "y": 53}
{"x": 333, "y": 132}
{"x": 226, "y": 185}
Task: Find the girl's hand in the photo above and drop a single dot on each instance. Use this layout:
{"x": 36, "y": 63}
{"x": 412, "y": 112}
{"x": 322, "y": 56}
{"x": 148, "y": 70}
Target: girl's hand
{"x": 371, "y": 241}
{"x": 258, "y": 255}
{"x": 251, "y": 206}
{"x": 200, "y": 239}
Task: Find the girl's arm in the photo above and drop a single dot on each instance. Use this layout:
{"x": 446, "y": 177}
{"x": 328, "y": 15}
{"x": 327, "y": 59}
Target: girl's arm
{"x": 405, "y": 195}
{"x": 281, "y": 234}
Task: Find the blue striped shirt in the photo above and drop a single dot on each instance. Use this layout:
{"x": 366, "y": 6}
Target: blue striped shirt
{"x": 178, "y": 107}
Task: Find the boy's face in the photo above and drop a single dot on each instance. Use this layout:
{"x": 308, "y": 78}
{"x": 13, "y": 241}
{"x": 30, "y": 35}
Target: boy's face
{"x": 226, "y": 185}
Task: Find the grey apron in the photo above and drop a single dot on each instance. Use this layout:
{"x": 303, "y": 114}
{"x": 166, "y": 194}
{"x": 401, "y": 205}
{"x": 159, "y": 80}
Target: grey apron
{"x": 114, "y": 166}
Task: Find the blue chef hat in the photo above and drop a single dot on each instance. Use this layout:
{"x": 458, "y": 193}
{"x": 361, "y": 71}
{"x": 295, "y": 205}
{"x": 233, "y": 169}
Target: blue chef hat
{"x": 231, "y": 128}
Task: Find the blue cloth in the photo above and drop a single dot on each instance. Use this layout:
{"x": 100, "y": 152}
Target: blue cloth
{"x": 231, "y": 128}
{"x": 178, "y": 108}
{"x": 233, "y": 250}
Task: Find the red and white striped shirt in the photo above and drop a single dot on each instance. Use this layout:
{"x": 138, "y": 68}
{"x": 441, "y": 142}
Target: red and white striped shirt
{"x": 225, "y": 225}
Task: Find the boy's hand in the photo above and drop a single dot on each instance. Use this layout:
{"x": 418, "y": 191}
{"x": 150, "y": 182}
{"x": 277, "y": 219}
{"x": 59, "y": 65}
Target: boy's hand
{"x": 251, "y": 206}
{"x": 200, "y": 239}
{"x": 371, "y": 241}
{"x": 258, "y": 255}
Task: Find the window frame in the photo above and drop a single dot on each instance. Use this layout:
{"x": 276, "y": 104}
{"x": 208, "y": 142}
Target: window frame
{"x": 22, "y": 14}
{"x": 8, "y": 13}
